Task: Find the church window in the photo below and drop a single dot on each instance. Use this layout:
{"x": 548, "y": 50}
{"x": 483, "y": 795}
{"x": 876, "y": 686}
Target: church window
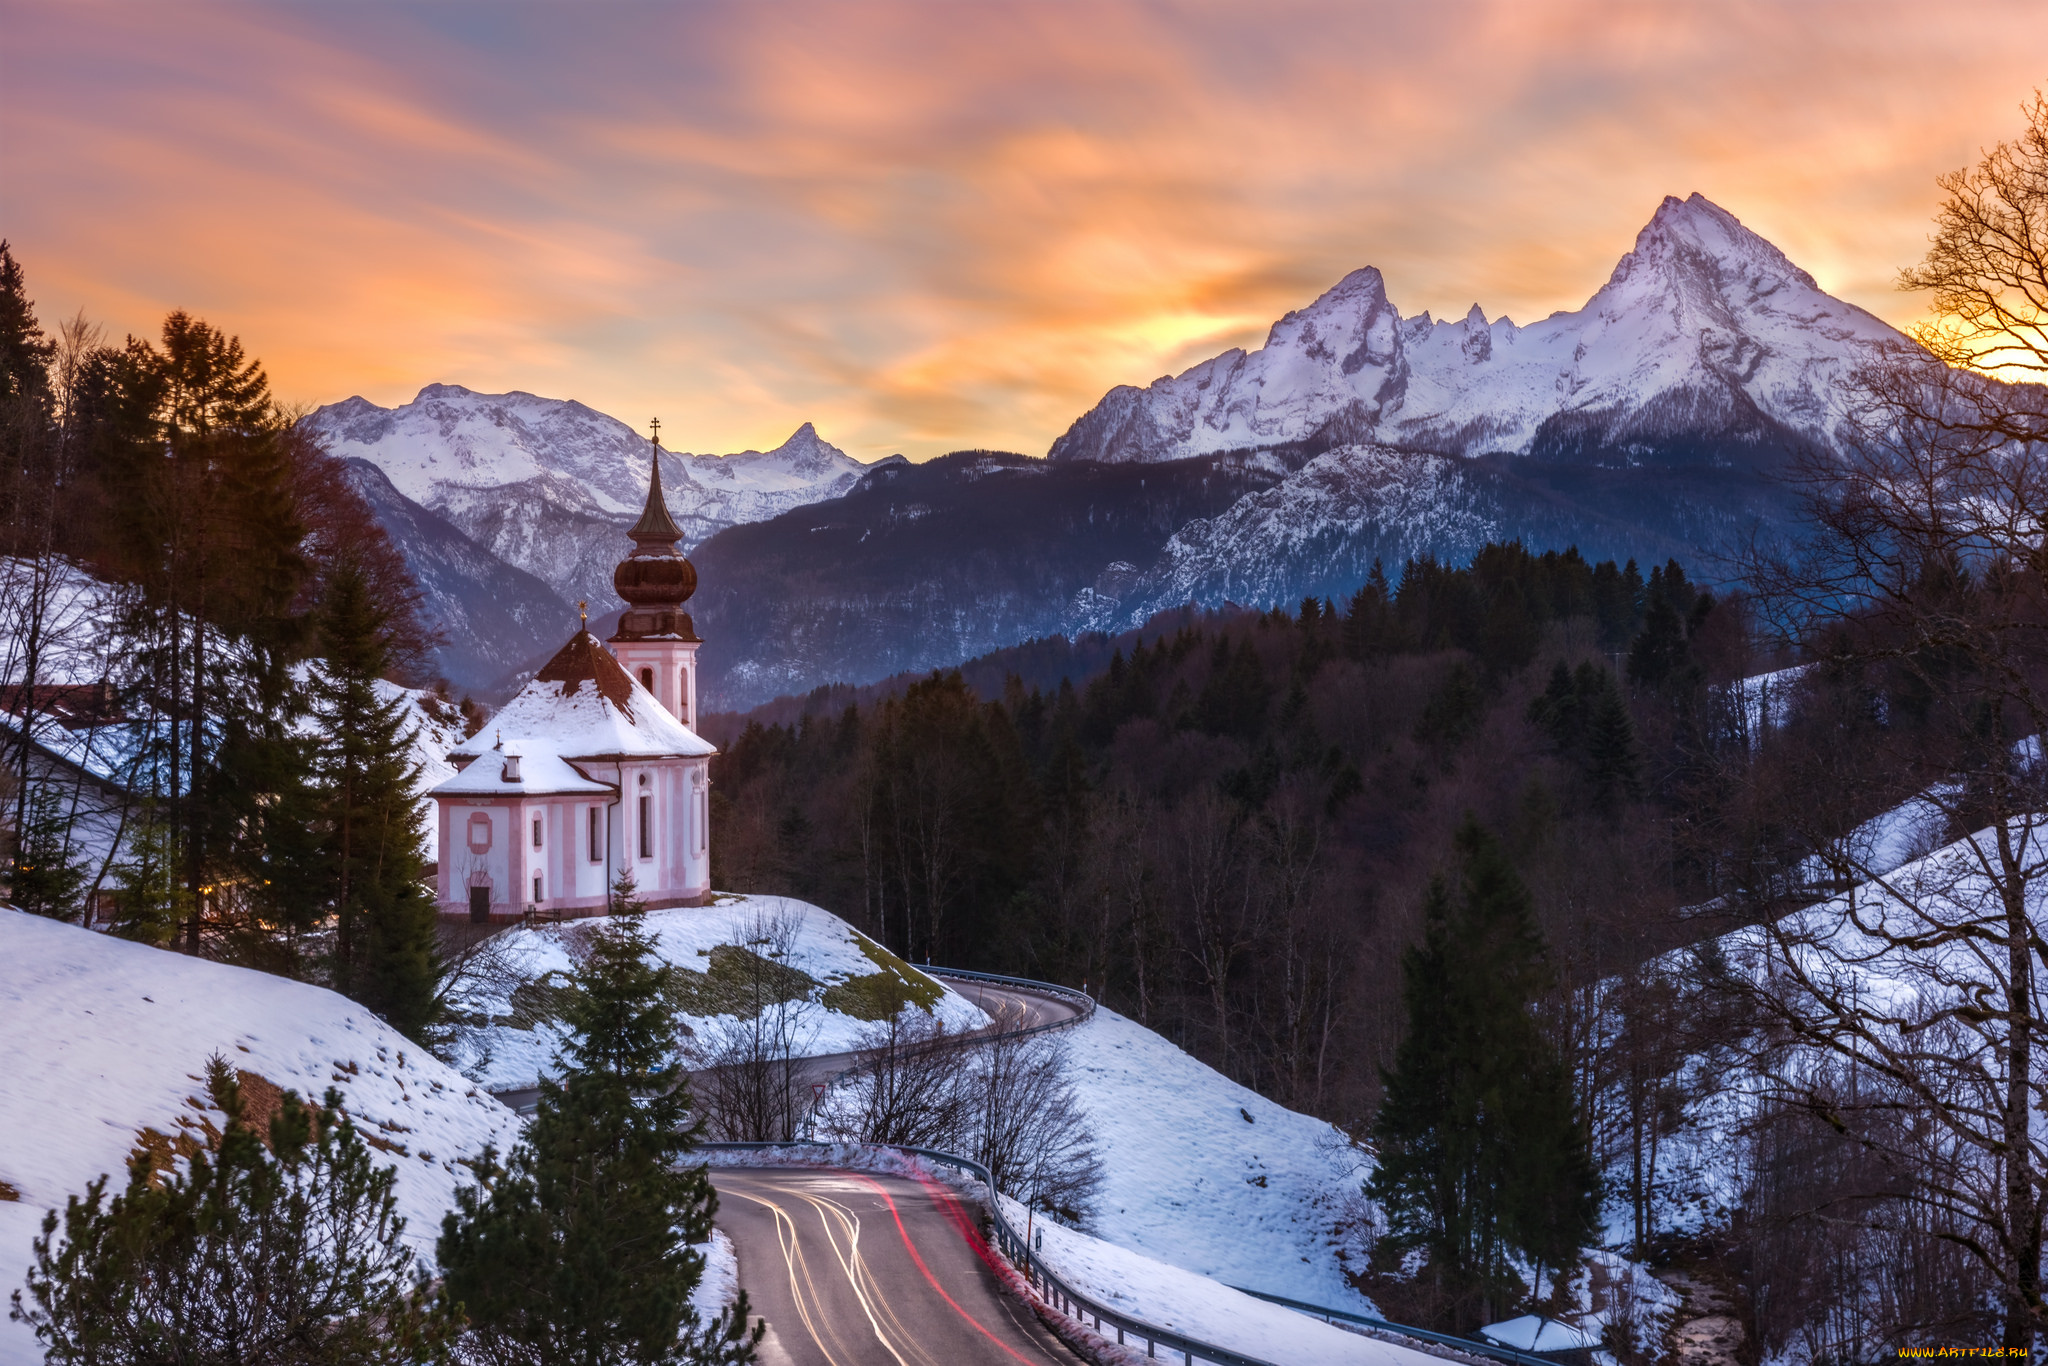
{"x": 536, "y": 886}
{"x": 646, "y": 826}
{"x": 683, "y": 697}
{"x": 596, "y": 855}
{"x": 479, "y": 832}
{"x": 536, "y": 832}
{"x": 647, "y": 679}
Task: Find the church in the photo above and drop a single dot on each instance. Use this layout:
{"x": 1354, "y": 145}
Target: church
{"x": 593, "y": 769}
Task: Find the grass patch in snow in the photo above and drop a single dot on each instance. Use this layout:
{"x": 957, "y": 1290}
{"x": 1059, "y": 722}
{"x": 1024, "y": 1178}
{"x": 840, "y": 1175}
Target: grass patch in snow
{"x": 732, "y": 958}
{"x": 738, "y": 982}
{"x": 882, "y": 995}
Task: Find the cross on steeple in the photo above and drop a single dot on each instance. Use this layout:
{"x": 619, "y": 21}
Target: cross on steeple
{"x": 655, "y": 531}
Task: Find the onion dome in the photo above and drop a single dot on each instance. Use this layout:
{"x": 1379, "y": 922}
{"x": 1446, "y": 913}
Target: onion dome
{"x": 654, "y": 580}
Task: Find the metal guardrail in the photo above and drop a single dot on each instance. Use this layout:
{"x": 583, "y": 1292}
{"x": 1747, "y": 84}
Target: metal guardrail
{"x": 1081, "y": 999}
{"x": 1056, "y": 1292}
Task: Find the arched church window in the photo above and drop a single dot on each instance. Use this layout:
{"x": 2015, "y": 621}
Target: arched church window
{"x": 647, "y": 679}
{"x": 646, "y": 826}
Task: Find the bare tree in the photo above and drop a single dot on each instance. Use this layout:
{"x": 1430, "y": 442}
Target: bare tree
{"x": 909, "y": 1089}
{"x": 751, "y": 1070}
{"x": 1025, "y": 1124}
{"x": 1922, "y": 597}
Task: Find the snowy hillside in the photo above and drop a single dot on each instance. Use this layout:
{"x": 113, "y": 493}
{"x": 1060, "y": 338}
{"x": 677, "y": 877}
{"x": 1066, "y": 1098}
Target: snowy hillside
{"x": 1704, "y": 330}
{"x": 547, "y": 485}
{"x": 121, "y": 1034}
{"x": 1159, "y": 1292}
{"x": 840, "y": 979}
{"x": 1211, "y": 1177}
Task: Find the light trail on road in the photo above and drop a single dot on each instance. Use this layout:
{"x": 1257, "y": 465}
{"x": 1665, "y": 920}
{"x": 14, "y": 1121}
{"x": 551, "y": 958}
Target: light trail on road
{"x": 921, "y": 1290}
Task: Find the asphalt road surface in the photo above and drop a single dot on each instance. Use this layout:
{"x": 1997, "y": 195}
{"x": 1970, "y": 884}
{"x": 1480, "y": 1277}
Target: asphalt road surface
{"x": 854, "y": 1269}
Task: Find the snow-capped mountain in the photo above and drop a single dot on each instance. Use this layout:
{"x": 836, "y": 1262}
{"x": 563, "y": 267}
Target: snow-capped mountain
{"x": 546, "y": 484}
{"x": 493, "y": 618}
{"x": 1647, "y": 424}
{"x": 1704, "y": 336}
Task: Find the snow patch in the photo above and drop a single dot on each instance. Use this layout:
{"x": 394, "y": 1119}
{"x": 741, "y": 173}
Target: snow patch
{"x": 113, "y": 1037}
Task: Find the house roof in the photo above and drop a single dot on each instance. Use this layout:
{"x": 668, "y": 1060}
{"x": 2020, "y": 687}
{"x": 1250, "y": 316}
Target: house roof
{"x": 542, "y": 773}
{"x": 1531, "y": 1333}
{"x": 582, "y": 705}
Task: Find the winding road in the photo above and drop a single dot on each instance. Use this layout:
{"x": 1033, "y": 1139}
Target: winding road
{"x": 856, "y": 1269}
{"x": 1008, "y": 1008}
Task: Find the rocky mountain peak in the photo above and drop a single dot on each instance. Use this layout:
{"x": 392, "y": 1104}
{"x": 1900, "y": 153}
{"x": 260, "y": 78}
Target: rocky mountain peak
{"x": 1694, "y": 236}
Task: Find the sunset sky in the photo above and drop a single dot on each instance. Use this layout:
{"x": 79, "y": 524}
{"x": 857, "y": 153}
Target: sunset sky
{"x": 932, "y": 226}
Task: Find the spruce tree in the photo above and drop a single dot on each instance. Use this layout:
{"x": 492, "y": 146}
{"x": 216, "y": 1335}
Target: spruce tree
{"x": 266, "y": 822}
{"x": 1481, "y": 1154}
{"x": 577, "y": 1249}
{"x": 49, "y": 872}
{"x": 150, "y": 901}
{"x": 289, "y": 1252}
{"x": 386, "y": 950}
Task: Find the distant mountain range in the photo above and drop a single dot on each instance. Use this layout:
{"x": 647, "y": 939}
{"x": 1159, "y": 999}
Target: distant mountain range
{"x": 500, "y": 500}
{"x": 1648, "y": 423}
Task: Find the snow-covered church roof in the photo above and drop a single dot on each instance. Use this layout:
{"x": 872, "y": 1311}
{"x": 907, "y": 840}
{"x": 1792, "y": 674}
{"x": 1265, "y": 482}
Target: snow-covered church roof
{"x": 541, "y": 773}
{"x": 583, "y": 705}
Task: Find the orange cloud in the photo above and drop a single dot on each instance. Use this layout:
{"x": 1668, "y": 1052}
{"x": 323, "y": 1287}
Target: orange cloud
{"x": 925, "y": 226}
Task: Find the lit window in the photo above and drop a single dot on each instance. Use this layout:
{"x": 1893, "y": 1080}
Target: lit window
{"x": 647, "y": 827}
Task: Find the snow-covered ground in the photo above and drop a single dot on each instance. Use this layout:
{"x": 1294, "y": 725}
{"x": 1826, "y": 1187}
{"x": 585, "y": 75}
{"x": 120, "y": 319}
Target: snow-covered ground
{"x": 1199, "y": 1307}
{"x": 721, "y": 1283}
{"x": 511, "y": 1043}
{"x": 1206, "y": 1175}
{"x": 107, "y": 1039}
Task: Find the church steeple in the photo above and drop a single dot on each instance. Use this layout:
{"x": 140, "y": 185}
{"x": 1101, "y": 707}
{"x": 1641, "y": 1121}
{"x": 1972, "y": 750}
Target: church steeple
{"x": 656, "y": 532}
{"x": 654, "y": 580}
{"x": 656, "y": 640}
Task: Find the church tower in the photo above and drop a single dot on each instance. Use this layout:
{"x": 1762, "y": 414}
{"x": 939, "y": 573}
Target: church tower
{"x": 656, "y": 643}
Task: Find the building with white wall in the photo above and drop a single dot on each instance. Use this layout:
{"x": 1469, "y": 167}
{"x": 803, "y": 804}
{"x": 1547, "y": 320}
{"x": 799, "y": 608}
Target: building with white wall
{"x": 592, "y": 770}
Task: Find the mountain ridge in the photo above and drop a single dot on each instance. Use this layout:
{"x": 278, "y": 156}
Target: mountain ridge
{"x": 1702, "y": 326}
{"x": 1656, "y": 420}
{"x": 548, "y": 486}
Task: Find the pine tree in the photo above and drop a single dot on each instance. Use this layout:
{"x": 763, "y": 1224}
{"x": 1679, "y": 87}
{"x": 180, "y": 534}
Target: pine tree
{"x": 290, "y": 1253}
{"x": 49, "y": 870}
{"x": 386, "y": 953}
{"x": 24, "y": 351}
{"x": 1587, "y": 721}
{"x": 1613, "y": 762}
{"x": 191, "y": 459}
{"x": 266, "y": 823}
{"x": 1480, "y": 1150}
{"x": 150, "y": 901}
{"x": 578, "y": 1248}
